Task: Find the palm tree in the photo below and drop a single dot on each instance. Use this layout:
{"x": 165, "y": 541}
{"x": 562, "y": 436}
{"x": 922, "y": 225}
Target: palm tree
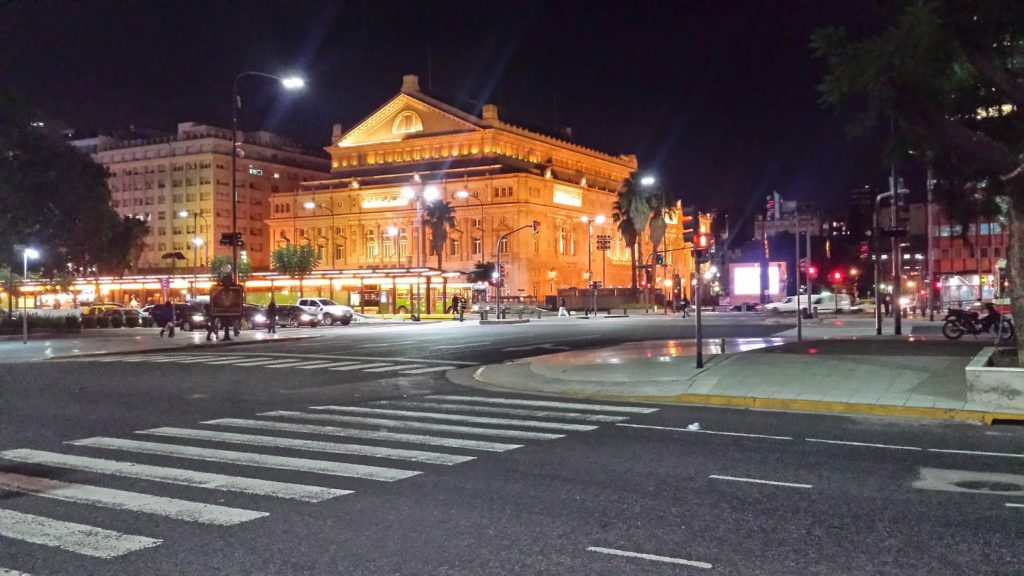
{"x": 633, "y": 206}
{"x": 620, "y": 215}
{"x": 660, "y": 210}
{"x": 439, "y": 217}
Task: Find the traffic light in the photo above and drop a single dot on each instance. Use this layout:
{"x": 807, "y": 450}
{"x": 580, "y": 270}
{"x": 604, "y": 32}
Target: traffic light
{"x": 812, "y": 272}
{"x": 536, "y": 227}
{"x": 677, "y": 283}
{"x": 659, "y": 258}
{"x": 703, "y": 241}
{"x": 648, "y": 276}
{"x": 837, "y": 276}
{"x": 232, "y": 239}
{"x": 689, "y": 223}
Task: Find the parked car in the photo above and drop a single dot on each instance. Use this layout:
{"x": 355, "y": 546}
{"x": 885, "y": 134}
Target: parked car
{"x": 254, "y": 316}
{"x": 188, "y": 317}
{"x": 327, "y": 311}
{"x": 98, "y": 309}
{"x": 295, "y": 316}
{"x": 124, "y": 313}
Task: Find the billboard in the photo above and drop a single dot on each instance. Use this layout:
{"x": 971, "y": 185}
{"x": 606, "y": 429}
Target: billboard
{"x": 745, "y": 279}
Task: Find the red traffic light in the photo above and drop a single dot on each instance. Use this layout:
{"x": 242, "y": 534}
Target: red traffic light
{"x": 812, "y": 272}
{"x": 837, "y": 276}
{"x": 703, "y": 240}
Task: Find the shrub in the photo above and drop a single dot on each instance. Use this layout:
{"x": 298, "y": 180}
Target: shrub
{"x": 117, "y": 321}
{"x": 103, "y": 321}
{"x": 72, "y": 322}
{"x": 88, "y": 321}
{"x": 147, "y": 322}
{"x": 132, "y": 321}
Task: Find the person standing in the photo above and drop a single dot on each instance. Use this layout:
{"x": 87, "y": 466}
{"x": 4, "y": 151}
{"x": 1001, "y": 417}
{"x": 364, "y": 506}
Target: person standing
{"x": 685, "y": 304}
{"x": 272, "y": 316}
{"x": 167, "y": 319}
{"x": 211, "y": 326}
{"x": 562, "y": 310}
{"x": 462, "y": 309}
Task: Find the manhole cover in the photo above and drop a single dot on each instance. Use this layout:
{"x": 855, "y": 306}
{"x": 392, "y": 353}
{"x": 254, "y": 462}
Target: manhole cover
{"x": 988, "y": 486}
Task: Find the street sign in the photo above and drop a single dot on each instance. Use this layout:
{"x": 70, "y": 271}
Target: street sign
{"x": 604, "y": 242}
{"x": 165, "y": 283}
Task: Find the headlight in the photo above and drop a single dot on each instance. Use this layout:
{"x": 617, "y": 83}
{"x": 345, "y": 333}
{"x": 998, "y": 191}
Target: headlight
{"x": 197, "y": 318}
{"x": 259, "y": 318}
{"x": 904, "y": 301}
{"x": 306, "y": 317}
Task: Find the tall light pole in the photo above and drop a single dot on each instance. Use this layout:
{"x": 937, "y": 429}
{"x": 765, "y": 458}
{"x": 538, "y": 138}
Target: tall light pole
{"x": 310, "y": 205}
{"x": 418, "y": 192}
{"x": 590, "y": 221}
{"x": 25, "y": 255}
{"x": 289, "y": 83}
{"x": 197, "y": 241}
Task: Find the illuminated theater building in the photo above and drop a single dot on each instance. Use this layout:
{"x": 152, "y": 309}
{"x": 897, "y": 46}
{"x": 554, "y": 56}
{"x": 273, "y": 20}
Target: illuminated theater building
{"x": 496, "y": 176}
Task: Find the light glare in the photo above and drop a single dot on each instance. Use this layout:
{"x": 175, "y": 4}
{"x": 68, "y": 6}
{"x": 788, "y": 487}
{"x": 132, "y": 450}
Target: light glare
{"x": 293, "y": 83}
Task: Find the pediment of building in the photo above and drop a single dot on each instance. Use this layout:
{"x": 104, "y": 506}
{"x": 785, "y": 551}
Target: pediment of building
{"x": 403, "y": 117}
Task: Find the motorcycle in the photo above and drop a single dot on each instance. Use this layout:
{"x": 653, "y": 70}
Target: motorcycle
{"x": 960, "y": 322}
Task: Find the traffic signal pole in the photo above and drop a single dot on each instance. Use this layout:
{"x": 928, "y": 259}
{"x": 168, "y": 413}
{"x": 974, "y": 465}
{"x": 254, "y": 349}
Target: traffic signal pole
{"x": 796, "y": 271}
{"x": 696, "y": 299}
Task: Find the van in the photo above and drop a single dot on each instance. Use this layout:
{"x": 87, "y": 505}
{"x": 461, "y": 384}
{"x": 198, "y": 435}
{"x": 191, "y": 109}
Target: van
{"x": 823, "y": 302}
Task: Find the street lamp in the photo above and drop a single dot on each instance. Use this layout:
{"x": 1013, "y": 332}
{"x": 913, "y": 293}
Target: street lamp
{"x": 289, "y": 83}
{"x": 418, "y": 192}
{"x": 196, "y": 243}
{"x": 393, "y": 232}
{"x": 465, "y": 195}
{"x": 311, "y": 205}
{"x": 590, "y": 221}
{"x": 647, "y": 181}
{"x": 25, "y": 255}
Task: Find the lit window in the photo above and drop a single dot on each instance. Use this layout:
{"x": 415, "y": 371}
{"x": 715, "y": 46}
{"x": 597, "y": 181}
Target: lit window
{"x": 255, "y": 171}
{"x": 407, "y": 121}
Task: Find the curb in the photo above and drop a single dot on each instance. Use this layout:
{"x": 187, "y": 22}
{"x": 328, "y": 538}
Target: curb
{"x": 204, "y": 345}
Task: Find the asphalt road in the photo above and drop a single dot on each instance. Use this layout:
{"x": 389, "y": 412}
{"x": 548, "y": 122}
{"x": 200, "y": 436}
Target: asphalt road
{"x": 246, "y": 469}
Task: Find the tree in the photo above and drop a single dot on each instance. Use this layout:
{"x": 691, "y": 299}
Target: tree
{"x": 295, "y": 261}
{"x": 9, "y": 279}
{"x": 947, "y": 78}
{"x": 53, "y": 196}
{"x": 620, "y": 215}
{"x": 481, "y": 272}
{"x": 439, "y": 217}
{"x": 128, "y": 242}
{"x": 660, "y": 209}
{"x": 216, "y": 267}
{"x": 632, "y": 211}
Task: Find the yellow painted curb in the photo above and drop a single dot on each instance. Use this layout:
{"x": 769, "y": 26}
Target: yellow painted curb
{"x": 975, "y": 416}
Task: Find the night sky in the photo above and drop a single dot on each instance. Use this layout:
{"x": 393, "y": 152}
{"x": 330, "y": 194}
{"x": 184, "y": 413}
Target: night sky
{"x": 717, "y": 98}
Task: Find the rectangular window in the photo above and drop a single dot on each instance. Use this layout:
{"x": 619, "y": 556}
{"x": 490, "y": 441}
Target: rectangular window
{"x": 503, "y": 246}
{"x": 456, "y": 248}
{"x": 478, "y": 223}
{"x": 255, "y": 171}
{"x": 478, "y": 246}
{"x": 997, "y": 252}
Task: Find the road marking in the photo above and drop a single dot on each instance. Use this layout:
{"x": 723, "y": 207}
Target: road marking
{"x": 311, "y": 445}
{"x": 1014, "y": 505}
{"x": 467, "y": 345}
{"x": 317, "y": 364}
{"x": 1005, "y": 454}
{"x": 249, "y": 459}
{"x": 292, "y": 355}
{"x": 708, "y": 432}
{"x": 756, "y": 481}
{"x": 9, "y": 572}
{"x": 863, "y": 444}
{"x": 507, "y": 411}
{"x": 416, "y": 425}
{"x": 459, "y": 418}
{"x": 333, "y": 364}
{"x": 172, "y": 358}
{"x": 653, "y": 557}
{"x": 238, "y": 360}
{"x": 393, "y": 368}
{"x": 545, "y": 346}
{"x": 368, "y": 434}
{"x": 259, "y": 362}
{"x": 544, "y": 404}
{"x": 146, "y": 357}
{"x": 69, "y": 536}
{"x": 286, "y": 364}
{"x": 379, "y": 344}
{"x": 361, "y": 366}
{"x": 200, "y": 359}
{"x": 125, "y": 500}
{"x": 425, "y": 370}
{"x": 177, "y": 476}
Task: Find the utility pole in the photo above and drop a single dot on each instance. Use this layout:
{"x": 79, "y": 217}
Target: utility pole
{"x": 897, "y": 281}
{"x": 928, "y": 218}
{"x": 696, "y": 299}
{"x": 796, "y": 275}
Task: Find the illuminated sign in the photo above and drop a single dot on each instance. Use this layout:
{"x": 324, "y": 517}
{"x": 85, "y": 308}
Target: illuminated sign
{"x": 746, "y": 279}
{"x": 567, "y": 196}
{"x": 390, "y": 200}
{"x": 255, "y": 171}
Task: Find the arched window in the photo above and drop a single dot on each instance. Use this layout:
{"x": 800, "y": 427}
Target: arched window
{"x": 407, "y": 121}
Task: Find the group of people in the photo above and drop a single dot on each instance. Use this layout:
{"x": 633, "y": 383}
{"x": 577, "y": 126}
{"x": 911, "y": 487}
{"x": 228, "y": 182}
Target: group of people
{"x": 458, "y": 308}
{"x": 165, "y": 316}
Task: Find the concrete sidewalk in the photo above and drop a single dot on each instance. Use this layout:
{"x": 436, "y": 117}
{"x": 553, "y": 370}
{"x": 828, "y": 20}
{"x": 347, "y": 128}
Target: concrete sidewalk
{"x": 889, "y": 376}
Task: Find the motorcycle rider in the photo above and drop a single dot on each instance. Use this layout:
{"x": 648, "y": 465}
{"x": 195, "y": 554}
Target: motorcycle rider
{"x": 990, "y": 320}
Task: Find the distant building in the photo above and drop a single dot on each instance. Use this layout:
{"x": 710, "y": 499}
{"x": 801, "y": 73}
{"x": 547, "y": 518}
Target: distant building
{"x": 969, "y": 266}
{"x": 155, "y": 179}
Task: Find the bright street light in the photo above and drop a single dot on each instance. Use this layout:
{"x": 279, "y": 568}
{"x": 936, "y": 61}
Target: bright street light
{"x": 647, "y": 181}
{"x": 431, "y": 193}
{"x": 309, "y": 205}
{"x": 392, "y": 231}
{"x": 462, "y": 194}
{"x": 293, "y": 83}
{"x": 33, "y": 254}
{"x": 197, "y": 241}
{"x": 183, "y": 214}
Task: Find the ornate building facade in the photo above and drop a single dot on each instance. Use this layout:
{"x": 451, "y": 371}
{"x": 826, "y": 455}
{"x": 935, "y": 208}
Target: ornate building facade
{"x": 498, "y": 179}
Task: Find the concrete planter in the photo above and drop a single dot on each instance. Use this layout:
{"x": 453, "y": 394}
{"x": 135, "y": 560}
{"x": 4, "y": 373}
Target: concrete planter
{"x": 998, "y": 387}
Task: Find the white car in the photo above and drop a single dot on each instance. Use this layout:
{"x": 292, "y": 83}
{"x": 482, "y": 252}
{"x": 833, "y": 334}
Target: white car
{"x": 327, "y": 311}
{"x": 823, "y": 302}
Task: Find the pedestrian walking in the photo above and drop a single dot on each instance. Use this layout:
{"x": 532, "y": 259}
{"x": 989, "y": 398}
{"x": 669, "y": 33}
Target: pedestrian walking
{"x": 686, "y": 307}
{"x": 562, "y": 310}
{"x": 886, "y": 304}
{"x": 211, "y": 326}
{"x": 462, "y": 309}
{"x": 166, "y": 319}
{"x": 272, "y": 316}
{"x": 454, "y": 309}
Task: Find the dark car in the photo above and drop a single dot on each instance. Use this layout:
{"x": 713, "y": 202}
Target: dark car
{"x": 254, "y": 316}
{"x": 295, "y": 316}
{"x": 189, "y": 317}
{"x": 123, "y": 313}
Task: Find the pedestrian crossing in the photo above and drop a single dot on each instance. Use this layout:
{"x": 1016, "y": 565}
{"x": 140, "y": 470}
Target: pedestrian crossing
{"x": 333, "y": 363}
{"x": 394, "y": 440}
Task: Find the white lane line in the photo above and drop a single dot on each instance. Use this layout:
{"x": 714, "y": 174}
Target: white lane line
{"x": 260, "y": 362}
{"x": 9, "y": 572}
{"x": 458, "y": 418}
{"x": 288, "y": 364}
{"x": 1004, "y": 454}
{"x": 317, "y": 364}
{"x": 544, "y": 404}
{"x": 425, "y": 370}
{"x": 199, "y": 359}
{"x": 467, "y": 345}
{"x": 361, "y": 366}
{"x": 125, "y": 500}
{"x": 70, "y": 536}
{"x": 311, "y": 445}
{"x": 177, "y": 476}
{"x": 236, "y": 360}
{"x": 434, "y": 361}
{"x": 863, "y": 444}
{"x": 249, "y": 459}
{"x": 393, "y": 368}
{"x": 333, "y": 364}
{"x": 145, "y": 358}
{"x": 506, "y": 411}
{"x": 653, "y": 557}
{"x": 756, "y": 481}
{"x": 1014, "y": 505}
{"x": 367, "y": 434}
{"x": 172, "y": 358}
{"x": 416, "y": 425}
{"x": 707, "y": 431}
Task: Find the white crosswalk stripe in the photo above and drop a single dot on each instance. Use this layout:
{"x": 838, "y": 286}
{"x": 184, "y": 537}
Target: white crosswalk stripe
{"x": 458, "y": 418}
{"x": 333, "y": 364}
{"x": 361, "y": 366}
{"x": 415, "y": 425}
{"x": 544, "y": 404}
{"x": 70, "y": 536}
{"x": 207, "y": 358}
{"x": 312, "y": 445}
{"x": 425, "y": 370}
{"x": 318, "y": 364}
{"x": 393, "y": 368}
{"x": 250, "y": 459}
{"x": 126, "y": 500}
{"x": 184, "y": 477}
{"x": 367, "y": 434}
{"x": 289, "y": 363}
{"x": 258, "y": 361}
{"x": 9, "y": 572}
{"x": 507, "y": 411}
{"x": 238, "y": 360}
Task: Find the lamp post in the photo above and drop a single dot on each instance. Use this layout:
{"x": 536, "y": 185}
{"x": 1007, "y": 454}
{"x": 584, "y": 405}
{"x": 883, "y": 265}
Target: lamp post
{"x": 196, "y": 243}
{"x": 465, "y": 195}
{"x": 310, "y": 205}
{"x": 393, "y": 233}
{"x": 289, "y": 83}
{"x": 418, "y": 192}
{"x": 590, "y": 221}
{"x": 25, "y": 255}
